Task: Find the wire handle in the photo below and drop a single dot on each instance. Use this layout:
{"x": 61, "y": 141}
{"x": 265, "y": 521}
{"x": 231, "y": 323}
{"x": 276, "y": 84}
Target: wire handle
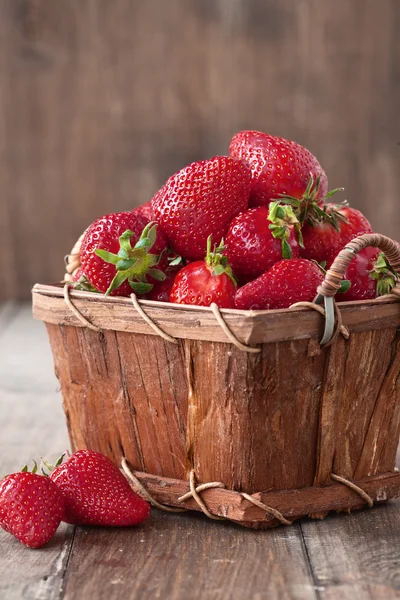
{"x": 331, "y": 284}
{"x": 335, "y": 274}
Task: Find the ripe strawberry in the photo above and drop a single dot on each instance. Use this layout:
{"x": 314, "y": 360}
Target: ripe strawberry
{"x": 287, "y": 282}
{"x": 278, "y": 167}
{"x": 78, "y": 274}
{"x": 81, "y": 282}
{"x": 31, "y": 507}
{"x": 162, "y": 289}
{"x": 259, "y": 237}
{"x": 370, "y": 275}
{"x": 111, "y": 264}
{"x": 324, "y": 238}
{"x": 201, "y": 200}
{"x": 96, "y": 493}
{"x": 144, "y": 210}
{"x": 205, "y": 281}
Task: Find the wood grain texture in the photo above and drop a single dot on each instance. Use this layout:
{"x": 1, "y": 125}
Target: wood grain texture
{"x": 199, "y": 323}
{"x": 356, "y": 431}
{"x": 241, "y": 411}
{"x": 354, "y": 559}
{"x": 185, "y": 556}
{"x": 283, "y": 419}
{"x": 101, "y": 102}
{"x": 292, "y": 504}
{"x": 31, "y": 424}
{"x": 178, "y": 557}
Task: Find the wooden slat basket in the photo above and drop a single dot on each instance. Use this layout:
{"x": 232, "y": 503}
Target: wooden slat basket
{"x": 259, "y": 438}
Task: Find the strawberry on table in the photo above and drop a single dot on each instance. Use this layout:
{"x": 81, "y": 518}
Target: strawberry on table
{"x": 31, "y": 507}
{"x": 205, "y": 282}
{"x": 278, "y": 167}
{"x": 96, "y": 493}
{"x": 325, "y": 236}
{"x": 122, "y": 252}
{"x": 201, "y": 200}
{"x": 287, "y": 282}
{"x": 259, "y": 237}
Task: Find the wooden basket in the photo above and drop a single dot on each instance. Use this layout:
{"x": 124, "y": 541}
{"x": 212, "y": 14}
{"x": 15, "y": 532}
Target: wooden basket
{"x": 260, "y": 438}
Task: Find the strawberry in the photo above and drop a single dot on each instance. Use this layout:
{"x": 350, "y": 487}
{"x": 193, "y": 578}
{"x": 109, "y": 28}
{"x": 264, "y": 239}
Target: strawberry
{"x": 162, "y": 289}
{"x": 278, "y": 167}
{"x": 369, "y": 274}
{"x": 96, "y": 493}
{"x": 78, "y": 274}
{"x": 323, "y": 238}
{"x": 81, "y": 282}
{"x": 260, "y": 237}
{"x": 204, "y": 282}
{"x": 144, "y": 210}
{"x": 31, "y": 507}
{"x": 287, "y": 282}
{"x": 201, "y": 200}
{"x": 110, "y": 262}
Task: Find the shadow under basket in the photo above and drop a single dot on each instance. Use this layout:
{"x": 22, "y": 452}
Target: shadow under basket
{"x": 294, "y": 429}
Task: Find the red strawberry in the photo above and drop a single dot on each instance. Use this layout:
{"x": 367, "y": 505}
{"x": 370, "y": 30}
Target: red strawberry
{"x": 109, "y": 261}
{"x": 162, "y": 289}
{"x": 81, "y": 282}
{"x": 323, "y": 239}
{"x": 201, "y": 200}
{"x": 31, "y": 507}
{"x": 259, "y": 237}
{"x": 78, "y": 274}
{"x": 205, "y": 281}
{"x": 96, "y": 493}
{"x": 370, "y": 275}
{"x": 287, "y": 282}
{"x": 278, "y": 166}
{"x": 144, "y": 210}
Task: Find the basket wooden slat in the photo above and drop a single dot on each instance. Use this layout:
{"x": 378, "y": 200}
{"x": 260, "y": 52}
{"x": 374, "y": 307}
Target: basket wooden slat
{"x": 282, "y": 420}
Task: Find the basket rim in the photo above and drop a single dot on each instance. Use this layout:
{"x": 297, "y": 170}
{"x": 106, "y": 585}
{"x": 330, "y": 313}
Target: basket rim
{"x": 198, "y": 322}
{"x": 56, "y": 290}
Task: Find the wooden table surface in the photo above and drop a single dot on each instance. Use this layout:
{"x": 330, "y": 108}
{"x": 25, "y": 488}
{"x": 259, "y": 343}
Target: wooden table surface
{"x": 173, "y": 557}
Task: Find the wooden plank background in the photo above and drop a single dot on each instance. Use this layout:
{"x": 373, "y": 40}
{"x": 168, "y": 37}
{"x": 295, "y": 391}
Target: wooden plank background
{"x": 101, "y": 101}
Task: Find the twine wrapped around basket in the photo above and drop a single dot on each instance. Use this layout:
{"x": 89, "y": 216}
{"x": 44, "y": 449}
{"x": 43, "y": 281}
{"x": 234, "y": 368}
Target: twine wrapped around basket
{"x": 73, "y": 260}
{"x": 240, "y": 414}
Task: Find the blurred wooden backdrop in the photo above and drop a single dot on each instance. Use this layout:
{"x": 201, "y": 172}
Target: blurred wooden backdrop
{"x": 101, "y": 100}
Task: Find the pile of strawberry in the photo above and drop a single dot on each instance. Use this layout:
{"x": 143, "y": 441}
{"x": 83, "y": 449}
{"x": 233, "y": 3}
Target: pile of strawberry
{"x": 253, "y": 230}
{"x": 87, "y": 489}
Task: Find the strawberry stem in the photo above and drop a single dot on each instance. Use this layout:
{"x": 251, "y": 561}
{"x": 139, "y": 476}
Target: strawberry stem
{"x": 217, "y": 261}
{"x": 307, "y": 208}
{"x": 283, "y": 220}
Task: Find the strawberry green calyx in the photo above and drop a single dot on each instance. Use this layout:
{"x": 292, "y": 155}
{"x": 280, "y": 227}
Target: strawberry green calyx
{"x": 282, "y": 219}
{"x": 49, "y": 466}
{"x": 307, "y": 208}
{"x": 83, "y": 284}
{"x": 217, "y": 261}
{"x": 134, "y": 264}
{"x": 34, "y": 468}
{"x": 384, "y": 275}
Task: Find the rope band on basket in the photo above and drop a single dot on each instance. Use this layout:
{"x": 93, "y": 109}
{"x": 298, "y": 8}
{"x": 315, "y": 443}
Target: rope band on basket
{"x": 150, "y": 322}
{"x": 76, "y": 312}
{"x": 340, "y": 328}
{"x": 215, "y": 309}
{"x": 355, "y": 488}
{"x": 195, "y": 491}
